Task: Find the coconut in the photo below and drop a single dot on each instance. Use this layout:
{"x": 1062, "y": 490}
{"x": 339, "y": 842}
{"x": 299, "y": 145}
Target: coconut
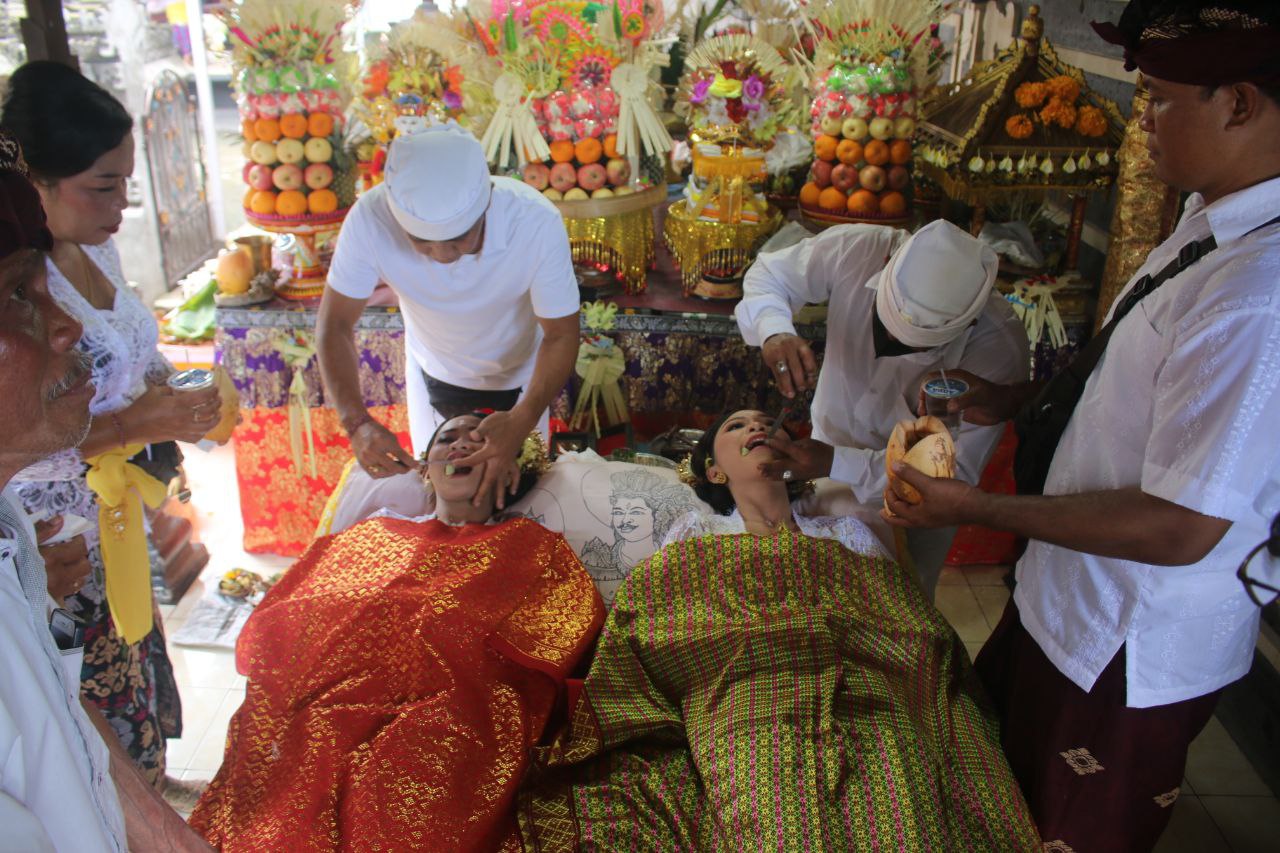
{"x": 234, "y": 272}
{"x": 925, "y": 444}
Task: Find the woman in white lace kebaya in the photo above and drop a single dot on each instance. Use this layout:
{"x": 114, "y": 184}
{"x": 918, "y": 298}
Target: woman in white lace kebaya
{"x": 755, "y": 504}
{"x": 79, "y": 145}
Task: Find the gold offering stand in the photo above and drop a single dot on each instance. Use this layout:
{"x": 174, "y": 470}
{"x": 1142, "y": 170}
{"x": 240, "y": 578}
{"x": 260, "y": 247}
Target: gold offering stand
{"x": 615, "y": 232}
{"x": 314, "y": 236}
{"x": 713, "y": 243}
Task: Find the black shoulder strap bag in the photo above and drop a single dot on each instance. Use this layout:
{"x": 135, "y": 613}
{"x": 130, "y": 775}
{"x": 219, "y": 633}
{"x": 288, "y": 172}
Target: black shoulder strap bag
{"x": 1041, "y": 423}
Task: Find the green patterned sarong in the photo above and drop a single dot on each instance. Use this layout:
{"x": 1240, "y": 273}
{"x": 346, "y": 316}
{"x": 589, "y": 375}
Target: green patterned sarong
{"x": 775, "y": 694}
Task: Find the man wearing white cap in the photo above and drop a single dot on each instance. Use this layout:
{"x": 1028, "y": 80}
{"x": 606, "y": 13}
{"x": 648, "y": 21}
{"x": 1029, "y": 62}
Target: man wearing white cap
{"x": 901, "y": 306}
{"x": 485, "y": 278}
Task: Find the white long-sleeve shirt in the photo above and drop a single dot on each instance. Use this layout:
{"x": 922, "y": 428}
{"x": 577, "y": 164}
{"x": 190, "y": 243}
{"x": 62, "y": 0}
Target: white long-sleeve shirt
{"x": 55, "y": 789}
{"x": 859, "y": 397}
{"x": 1184, "y": 405}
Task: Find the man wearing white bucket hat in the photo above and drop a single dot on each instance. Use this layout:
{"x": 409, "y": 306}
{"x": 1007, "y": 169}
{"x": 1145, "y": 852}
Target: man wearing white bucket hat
{"x": 901, "y": 306}
{"x": 485, "y": 278}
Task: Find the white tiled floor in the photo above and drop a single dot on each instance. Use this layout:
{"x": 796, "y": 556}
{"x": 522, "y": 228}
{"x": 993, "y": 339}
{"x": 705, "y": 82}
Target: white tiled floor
{"x": 1225, "y": 806}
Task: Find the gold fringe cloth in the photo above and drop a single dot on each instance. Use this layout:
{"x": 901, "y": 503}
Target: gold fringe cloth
{"x": 621, "y": 241}
{"x": 698, "y": 244}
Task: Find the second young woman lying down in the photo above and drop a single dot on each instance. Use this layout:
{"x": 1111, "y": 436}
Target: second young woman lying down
{"x": 779, "y": 684}
{"x": 399, "y": 675}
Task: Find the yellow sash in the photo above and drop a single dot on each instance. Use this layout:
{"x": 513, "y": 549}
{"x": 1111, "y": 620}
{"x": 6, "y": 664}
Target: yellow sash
{"x": 119, "y": 484}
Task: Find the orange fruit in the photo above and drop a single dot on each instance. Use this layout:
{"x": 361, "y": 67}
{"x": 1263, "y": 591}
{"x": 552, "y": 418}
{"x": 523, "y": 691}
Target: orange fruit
{"x": 293, "y": 125}
{"x": 863, "y": 203}
{"x": 263, "y": 202}
{"x": 562, "y": 151}
{"x": 849, "y": 152}
{"x": 831, "y": 199}
{"x": 267, "y": 129}
{"x": 247, "y": 131}
{"x": 319, "y": 124}
{"x": 893, "y": 204}
{"x": 825, "y": 147}
{"x": 588, "y": 150}
{"x": 809, "y": 194}
{"x": 247, "y": 204}
{"x": 611, "y": 146}
{"x": 291, "y": 203}
{"x": 900, "y": 152}
{"x": 876, "y": 153}
{"x": 322, "y": 201}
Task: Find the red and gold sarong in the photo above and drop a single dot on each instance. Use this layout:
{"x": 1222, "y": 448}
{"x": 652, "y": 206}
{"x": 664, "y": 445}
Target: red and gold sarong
{"x": 399, "y": 676}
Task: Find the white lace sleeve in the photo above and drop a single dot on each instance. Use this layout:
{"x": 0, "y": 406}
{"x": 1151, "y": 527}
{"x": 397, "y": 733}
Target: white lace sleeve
{"x": 158, "y": 369}
{"x": 63, "y": 465}
{"x": 849, "y": 532}
{"x": 688, "y": 526}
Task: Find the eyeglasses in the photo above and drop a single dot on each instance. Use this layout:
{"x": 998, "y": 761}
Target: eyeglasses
{"x": 1253, "y": 585}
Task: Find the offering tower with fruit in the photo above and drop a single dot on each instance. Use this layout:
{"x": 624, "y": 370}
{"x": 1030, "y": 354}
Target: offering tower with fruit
{"x": 735, "y": 100}
{"x": 291, "y": 91}
{"x": 562, "y": 98}
{"x": 406, "y": 83}
{"x": 871, "y": 61}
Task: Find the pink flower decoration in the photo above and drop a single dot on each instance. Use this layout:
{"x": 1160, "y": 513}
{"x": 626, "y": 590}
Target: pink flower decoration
{"x": 699, "y": 93}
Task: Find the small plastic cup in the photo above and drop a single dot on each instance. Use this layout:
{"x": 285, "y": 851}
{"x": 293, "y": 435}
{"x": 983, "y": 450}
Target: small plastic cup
{"x": 938, "y": 393}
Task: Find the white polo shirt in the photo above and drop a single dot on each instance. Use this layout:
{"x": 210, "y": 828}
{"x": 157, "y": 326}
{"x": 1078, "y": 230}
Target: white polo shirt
{"x": 1184, "y": 405}
{"x": 472, "y": 323}
{"x": 56, "y": 791}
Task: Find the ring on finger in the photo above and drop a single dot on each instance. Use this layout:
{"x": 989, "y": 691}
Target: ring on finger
{"x": 786, "y": 475}
{"x": 781, "y": 367}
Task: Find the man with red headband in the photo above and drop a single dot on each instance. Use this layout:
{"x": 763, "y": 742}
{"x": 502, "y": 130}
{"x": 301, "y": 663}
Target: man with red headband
{"x": 1152, "y": 467}
{"x": 66, "y": 783}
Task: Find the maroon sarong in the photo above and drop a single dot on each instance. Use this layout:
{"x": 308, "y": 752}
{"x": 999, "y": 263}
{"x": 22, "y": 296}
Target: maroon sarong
{"x": 1098, "y": 776}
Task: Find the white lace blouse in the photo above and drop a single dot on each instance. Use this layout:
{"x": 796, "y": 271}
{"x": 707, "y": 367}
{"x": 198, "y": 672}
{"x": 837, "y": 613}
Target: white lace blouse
{"x": 121, "y": 342}
{"x": 849, "y": 532}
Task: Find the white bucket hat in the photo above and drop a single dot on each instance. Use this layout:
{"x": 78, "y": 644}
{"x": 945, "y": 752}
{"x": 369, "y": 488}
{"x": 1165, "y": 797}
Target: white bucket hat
{"x": 934, "y": 285}
{"x": 437, "y": 182}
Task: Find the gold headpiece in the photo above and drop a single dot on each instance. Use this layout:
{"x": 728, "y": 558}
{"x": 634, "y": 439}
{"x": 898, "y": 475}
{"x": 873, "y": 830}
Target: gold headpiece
{"x": 685, "y": 471}
{"x": 533, "y": 455}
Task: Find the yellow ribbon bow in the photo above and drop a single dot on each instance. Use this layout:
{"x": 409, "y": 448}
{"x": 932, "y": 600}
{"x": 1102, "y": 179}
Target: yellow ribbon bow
{"x": 601, "y": 365}
{"x": 121, "y": 488}
{"x": 297, "y": 350}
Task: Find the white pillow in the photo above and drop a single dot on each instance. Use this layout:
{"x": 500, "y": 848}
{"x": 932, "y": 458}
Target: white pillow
{"x": 614, "y": 514}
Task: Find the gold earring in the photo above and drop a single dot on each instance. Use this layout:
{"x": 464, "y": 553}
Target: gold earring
{"x": 719, "y": 478}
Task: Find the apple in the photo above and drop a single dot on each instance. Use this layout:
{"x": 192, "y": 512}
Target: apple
{"x": 244, "y": 173}
{"x": 844, "y": 177}
{"x": 536, "y": 175}
{"x": 247, "y": 150}
{"x": 287, "y": 177}
{"x": 854, "y": 128}
{"x": 881, "y": 128}
{"x": 872, "y": 178}
{"x": 318, "y": 175}
{"x": 904, "y": 127}
{"x": 603, "y": 192}
{"x": 831, "y": 125}
{"x": 318, "y": 150}
{"x": 289, "y": 151}
{"x": 821, "y": 173}
{"x": 564, "y": 176}
{"x": 899, "y": 177}
{"x": 622, "y": 190}
{"x": 618, "y": 171}
{"x": 576, "y": 194}
{"x": 554, "y": 195}
{"x": 260, "y": 177}
{"x": 264, "y": 153}
{"x": 591, "y": 177}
